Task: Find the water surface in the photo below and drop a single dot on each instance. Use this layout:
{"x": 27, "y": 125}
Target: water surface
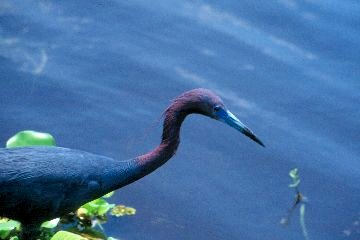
{"x": 97, "y": 75}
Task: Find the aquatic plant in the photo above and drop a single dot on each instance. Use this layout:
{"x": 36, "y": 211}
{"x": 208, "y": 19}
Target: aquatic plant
{"x": 299, "y": 199}
{"x": 30, "y": 138}
{"x": 84, "y": 224}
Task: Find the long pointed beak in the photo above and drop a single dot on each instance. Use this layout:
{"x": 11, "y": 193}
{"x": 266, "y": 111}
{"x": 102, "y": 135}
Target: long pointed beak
{"x": 230, "y": 119}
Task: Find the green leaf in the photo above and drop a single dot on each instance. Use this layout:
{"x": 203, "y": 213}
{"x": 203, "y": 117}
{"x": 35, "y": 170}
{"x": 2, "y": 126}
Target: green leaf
{"x": 62, "y": 235}
{"x": 88, "y": 233}
{"x": 14, "y": 238}
{"x": 7, "y": 226}
{"x": 98, "y": 207}
{"x": 30, "y": 138}
{"x": 105, "y": 208}
{"x": 51, "y": 224}
{"x": 110, "y": 194}
{"x": 4, "y": 234}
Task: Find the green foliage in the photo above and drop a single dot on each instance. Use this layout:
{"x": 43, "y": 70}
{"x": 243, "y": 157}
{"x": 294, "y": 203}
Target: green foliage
{"x": 121, "y": 210}
{"x": 50, "y": 224}
{"x": 30, "y": 138}
{"x": 109, "y": 195}
{"x": 61, "y": 235}
{"x": 80, "y": 225}
{"x": 8, "y": 227}
{"x": 97, "y": 207}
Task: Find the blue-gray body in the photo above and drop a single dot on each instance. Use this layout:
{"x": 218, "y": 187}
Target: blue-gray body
{"x": 41, "y": 183}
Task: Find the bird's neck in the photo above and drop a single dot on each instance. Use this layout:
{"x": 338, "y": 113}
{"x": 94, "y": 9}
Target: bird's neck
{"x": 147, "y": 163}
{"x": 174, "y": 116}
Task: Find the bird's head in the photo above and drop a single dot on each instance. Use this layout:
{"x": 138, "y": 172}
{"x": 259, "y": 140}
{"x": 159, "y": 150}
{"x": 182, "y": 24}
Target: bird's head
{"x": 205, "y": 102}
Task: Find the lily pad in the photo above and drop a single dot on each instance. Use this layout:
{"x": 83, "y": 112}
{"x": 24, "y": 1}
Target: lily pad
{"x": 89, "y": 233}
{"x": 7, "y": 226}
{"x": 30, "y": 138}
{"x": 61, "y": 235}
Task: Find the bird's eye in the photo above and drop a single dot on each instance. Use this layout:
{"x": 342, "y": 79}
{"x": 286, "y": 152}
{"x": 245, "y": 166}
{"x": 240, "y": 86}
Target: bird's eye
{"x": 217, "y": 108}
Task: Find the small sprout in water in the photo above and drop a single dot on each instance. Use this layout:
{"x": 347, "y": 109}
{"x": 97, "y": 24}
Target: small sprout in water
{"x": 294, "y": 174}
{"x": 299, "y": 199}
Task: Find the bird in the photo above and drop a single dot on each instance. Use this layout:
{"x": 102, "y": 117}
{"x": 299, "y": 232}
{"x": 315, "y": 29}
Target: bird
{"x": 39, "y": 183}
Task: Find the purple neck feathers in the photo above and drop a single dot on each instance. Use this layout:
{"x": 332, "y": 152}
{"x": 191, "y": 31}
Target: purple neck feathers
{"x": 173, "y": 118}
{"x": 189, "y": 102}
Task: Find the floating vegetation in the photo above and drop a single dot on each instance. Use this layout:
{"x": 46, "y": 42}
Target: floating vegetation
{"x": 121, "y": 210}
{"x": 30, "y": 138}
{"x": 9, "y": 228}
{"x": 60, "y": 235}
{"x": 84, "y": 224}
{"x": 299, "y": 199}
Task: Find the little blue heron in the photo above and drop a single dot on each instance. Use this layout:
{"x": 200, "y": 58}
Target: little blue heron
{"x": 42, "y": 183}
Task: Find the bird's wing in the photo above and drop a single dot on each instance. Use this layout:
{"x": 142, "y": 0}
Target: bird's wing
{"x": 27, "y": 163}
{"x": 55, "y": 179}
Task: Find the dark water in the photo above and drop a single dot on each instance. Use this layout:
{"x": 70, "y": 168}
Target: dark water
{"x": 97, "y": 75}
